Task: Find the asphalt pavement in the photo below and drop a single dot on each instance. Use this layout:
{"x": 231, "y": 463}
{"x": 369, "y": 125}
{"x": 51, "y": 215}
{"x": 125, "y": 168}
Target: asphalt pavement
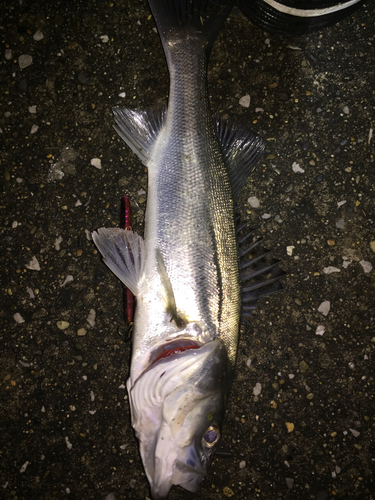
{"x": 300, "y": 421}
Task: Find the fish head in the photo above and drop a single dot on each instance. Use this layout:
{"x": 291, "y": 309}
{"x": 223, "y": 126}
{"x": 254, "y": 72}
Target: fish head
{"x": 177, "y": 410}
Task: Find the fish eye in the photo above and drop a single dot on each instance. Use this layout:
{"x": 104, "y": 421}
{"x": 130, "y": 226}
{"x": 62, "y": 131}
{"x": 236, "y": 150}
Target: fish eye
{"x": 212, "y": 435}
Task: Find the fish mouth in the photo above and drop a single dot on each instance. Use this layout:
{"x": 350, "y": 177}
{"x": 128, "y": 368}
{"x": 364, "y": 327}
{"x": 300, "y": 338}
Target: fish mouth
{"x": 171, "y": 348}
{"x": 186, "y": 476}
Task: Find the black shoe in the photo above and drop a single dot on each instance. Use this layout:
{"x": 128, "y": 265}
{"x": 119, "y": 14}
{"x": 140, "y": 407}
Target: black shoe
{"x": 297, "y": 17}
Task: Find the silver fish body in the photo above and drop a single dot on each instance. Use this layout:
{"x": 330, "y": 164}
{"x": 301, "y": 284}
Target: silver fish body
{"x": 190, "y": 220}
{"x": 185, "y": 274}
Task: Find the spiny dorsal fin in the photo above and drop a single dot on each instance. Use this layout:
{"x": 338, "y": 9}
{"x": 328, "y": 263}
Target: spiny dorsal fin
{"x": 170, "y": 302}
{"x": 241, "y": 148}
{"x": 140, "y": 128}
{"x": 124, "y": 253}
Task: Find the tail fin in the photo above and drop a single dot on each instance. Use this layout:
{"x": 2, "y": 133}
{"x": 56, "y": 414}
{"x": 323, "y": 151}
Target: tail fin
{"x": 199, "y": 19}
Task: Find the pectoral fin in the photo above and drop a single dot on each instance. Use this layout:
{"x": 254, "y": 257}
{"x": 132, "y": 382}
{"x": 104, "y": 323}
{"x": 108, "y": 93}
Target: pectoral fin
{"x": 124, "y": 253}
{"x": 170, "y": 302}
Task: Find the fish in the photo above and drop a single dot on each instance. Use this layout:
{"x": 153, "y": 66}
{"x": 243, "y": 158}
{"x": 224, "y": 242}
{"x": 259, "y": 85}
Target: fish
{"x": 193, "y": 265}
{"x": 297, "y": 17}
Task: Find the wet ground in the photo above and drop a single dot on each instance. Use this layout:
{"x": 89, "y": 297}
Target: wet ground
{"x": 300, "y": 422}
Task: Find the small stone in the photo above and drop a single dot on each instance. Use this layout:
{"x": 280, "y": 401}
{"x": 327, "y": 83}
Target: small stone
{"x": 366, "y": 265}
{"x": 62, "y": 325}
{"x": 68, "y": 279}
{"x": 346, "y": 262}
{"x": 340, "y": 203}
{"x": 33, "y": 264}
{"x": 289, "y": 426}
{"x": 257, "y": 389}
{"x": 320, "y": 329}
{"x": 7, "y": 178}
{"x": 245, "y": 101}
{"x": 91, "y": 317}
{"x": 57, "y": 243}
{"x": 310, "y": 396}
{"x": 304, "y": 367}
{"x": 104, "y": 38}
{"x": 79, "y": 252}
{"x": 38, "y": 35}
{"x": 25, "y": 60}
{"x": 331, "y": 269}
{"x": 122, "y": 94}
{"x": 96, "y": 162}
{"x": 266, "y": 216}
{"x": 354, "y": 432}
{"x": 372, "y": 246}
{"x": 297, "y": 169}
{"x": 289, "y": 250}
{"x": 81, "y": 332}
{"x": 340, "y": 224}
{"x": 253, "y": 202}
{"x": 8, "y": 54}
{"x": 18, "y": 318}
{"x": 24, "y": 467}
{"x": 32, "y": 110}
{"x": 298, "y": 302}
{"x": 331, "y": 243}
{"x": 324, "y": 307}
{"x": 242, "y": 464}
{"x": 228, "y": 492}
{"x": 289, "y": 482}
{"x": 34, "y": 129}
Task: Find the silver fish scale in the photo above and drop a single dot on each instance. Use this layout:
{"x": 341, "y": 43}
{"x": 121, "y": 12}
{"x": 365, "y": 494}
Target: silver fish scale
{"x": 190, "y": 213}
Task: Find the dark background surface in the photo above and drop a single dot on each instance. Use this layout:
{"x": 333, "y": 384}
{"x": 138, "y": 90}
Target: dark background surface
{"x": 64, "y": 414}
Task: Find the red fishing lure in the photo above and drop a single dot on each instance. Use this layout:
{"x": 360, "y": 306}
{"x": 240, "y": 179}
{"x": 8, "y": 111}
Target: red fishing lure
{"x": 126, "y": 223}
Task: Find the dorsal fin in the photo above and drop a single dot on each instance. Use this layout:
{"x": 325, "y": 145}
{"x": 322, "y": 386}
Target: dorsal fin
{"x": 241, "y": 148}
{"x": 140, "y": 128}
{"x": 260, "y": 276}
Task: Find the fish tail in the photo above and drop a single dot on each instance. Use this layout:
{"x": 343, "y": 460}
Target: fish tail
{"x": 200, "y": 20}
